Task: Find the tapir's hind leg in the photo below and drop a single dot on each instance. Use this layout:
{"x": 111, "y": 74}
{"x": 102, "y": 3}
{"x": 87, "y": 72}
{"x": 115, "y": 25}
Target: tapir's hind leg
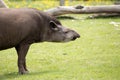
{"x": 22, "y": 50}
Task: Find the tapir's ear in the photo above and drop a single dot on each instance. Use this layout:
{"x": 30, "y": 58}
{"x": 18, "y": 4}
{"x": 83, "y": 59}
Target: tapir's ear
{"x": 53, "y": 25}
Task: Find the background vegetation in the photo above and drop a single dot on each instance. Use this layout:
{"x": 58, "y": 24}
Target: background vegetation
{"x": 46, "y": 4}
{"x": 95, "y": 56}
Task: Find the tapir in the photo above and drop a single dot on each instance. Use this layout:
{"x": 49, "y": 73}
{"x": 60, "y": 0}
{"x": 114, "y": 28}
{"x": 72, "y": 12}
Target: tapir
{"x": 22, "y": 27}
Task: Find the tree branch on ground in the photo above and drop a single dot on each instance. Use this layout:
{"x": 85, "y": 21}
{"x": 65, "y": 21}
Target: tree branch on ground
{"x": 84, "y": 9}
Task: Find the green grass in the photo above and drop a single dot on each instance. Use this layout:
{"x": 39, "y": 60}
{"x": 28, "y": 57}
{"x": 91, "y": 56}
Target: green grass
{"x": 94, "y": 56}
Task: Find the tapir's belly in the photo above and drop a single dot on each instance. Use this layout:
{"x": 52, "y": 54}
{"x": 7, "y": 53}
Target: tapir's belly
{"x": 8, "y": 41}
{"x": 11, "y": 38}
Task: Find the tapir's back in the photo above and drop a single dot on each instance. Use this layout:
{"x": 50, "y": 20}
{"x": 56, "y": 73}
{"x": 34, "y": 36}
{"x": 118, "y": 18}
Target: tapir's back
{"x": 14, "y": 27}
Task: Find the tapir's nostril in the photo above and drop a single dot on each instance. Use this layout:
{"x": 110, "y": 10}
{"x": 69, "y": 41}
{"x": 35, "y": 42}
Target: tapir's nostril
{"x": 78, "y": 36}
{"x": 74, "y": 38}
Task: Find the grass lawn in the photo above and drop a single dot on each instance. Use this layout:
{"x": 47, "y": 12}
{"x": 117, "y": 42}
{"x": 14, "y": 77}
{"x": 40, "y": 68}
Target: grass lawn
{"x": 94, "y": 56}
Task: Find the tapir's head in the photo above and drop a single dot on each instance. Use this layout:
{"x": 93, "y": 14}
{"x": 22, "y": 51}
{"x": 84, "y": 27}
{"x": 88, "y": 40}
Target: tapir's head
{"x": 57, "y": 33}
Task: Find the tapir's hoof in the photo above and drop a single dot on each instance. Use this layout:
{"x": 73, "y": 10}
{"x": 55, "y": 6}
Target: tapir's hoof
{"x": 23, "y": 72}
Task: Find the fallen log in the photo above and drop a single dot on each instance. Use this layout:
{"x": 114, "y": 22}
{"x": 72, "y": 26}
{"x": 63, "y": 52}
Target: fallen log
{"x": 84, "y": 9}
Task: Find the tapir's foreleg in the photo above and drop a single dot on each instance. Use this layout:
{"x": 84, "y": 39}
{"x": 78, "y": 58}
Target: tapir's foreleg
{"x": 22, "y": 52}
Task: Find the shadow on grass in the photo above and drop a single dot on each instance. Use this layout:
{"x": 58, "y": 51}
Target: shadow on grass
{"x": 15, "y": 75}
{"x": 8, "y": 76}
{"x": 66, "y": 17}
{"x": 104, "y": 17}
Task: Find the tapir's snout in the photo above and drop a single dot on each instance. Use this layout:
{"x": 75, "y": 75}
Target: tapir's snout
{"x": 76, "y": 35}
{"x": 71, "y": 35}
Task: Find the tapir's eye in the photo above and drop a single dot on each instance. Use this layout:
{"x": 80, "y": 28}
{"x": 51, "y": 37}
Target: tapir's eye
{"x": 53, "y": 25}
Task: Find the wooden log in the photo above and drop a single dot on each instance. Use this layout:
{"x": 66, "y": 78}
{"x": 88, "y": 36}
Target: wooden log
{"x": 83, "y": 10}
